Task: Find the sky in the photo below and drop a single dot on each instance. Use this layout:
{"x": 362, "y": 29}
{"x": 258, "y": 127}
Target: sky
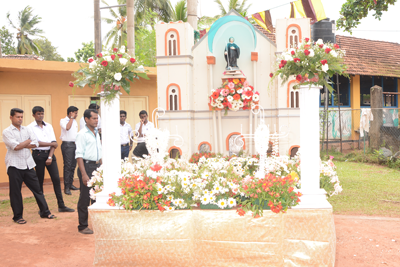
{"x": 73, "y": 23}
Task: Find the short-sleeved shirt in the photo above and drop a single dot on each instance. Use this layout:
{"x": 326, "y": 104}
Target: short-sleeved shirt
{"x": 43, "y": 134}
{"x": 88, "y": 145}
{"x": 145, "y": 129}
{"x": 82, "y": 123}
{"x": 68, "y": 135}
{"x": 20, "y": 159}
{"x": 125, "y": 133}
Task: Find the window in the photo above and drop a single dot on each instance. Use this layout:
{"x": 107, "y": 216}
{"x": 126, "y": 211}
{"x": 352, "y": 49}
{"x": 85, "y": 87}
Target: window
{"x": 174, "y": 153}
{"x": 293, "y": 37}
{"x": 294, "y": 98}
{"x": 173, "y": 95}
{"x": 172, "y": 43}
{"x": 335, "y": 100}
{"x": 235, "y": 144}
{"x": 388, "y": 85}
{"x": 204, "y": 147}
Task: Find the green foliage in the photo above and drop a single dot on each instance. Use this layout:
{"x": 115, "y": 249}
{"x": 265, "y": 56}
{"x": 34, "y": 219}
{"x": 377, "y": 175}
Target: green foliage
{"x": 7, "y": 42}
{"x": 48, "y": 52}
{"x": 354, "y": 10}
{"x": 180, "y": 11}
{"x": 206, "y": 22}
{"x": 233, "y": 4}
{"x": 27, "y": 26}
{"x": 70, "y": 59}
{"x": 145, "y": 41}
{"x": 84, "y": 53}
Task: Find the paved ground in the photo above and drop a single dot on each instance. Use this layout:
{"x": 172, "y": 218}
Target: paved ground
{"x": 361, "y": 241}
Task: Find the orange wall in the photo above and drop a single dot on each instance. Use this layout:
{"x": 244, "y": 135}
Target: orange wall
{"x": 26, "y": 77}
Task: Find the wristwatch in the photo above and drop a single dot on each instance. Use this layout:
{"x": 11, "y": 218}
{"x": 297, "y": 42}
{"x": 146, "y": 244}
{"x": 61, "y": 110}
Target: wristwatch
{"x": 50, "y": 158}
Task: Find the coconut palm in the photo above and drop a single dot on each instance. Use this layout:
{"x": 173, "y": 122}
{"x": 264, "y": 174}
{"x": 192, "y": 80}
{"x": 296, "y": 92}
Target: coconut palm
{"x": 233, "y": 4}
{"x": 117, "y": 36}
{"x": 180, "y": 11}
{"x": 27, "y": 28}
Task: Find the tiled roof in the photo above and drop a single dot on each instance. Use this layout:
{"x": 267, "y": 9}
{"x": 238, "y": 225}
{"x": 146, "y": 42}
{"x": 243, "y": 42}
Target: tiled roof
{"x": 370, "y": 57}
{"x": 271, "y": 36}
{"x": 23, "y": 57}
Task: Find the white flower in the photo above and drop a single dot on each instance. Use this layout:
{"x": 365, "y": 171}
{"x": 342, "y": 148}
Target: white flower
{"x": 212, "y": 199}
{"x": 169, "y": 208}
{"x": 311, "y": 53}
{"x": 222, "y": 203}
{"x": 240, "y": 104}
{"x": 221, "y": 98}
{"x": 239, "y": 91}
{"x": 212, "y": 91}
{"x": 205, "y": 200}
{"x": 325, "y": 68}
{"x": 123, "y": 61}
{"x": 231, "y": 202}
{"x": 319, "y": 42}
{"x": 230, "y": 98}
{"x": 288, "y": 57}
{"x": 333, "y": 53}
{"x": 256, "y": 97}
{"x": 108, "y": 58}
{"x": 92, "y": 194}
{"x": 117, "y": 76}
{"x": 93, "y": 64}
{"x": 122, "y": 49}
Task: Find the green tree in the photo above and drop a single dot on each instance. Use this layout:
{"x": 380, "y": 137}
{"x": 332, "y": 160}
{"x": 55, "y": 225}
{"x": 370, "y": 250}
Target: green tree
{"x": 354, "y": 10}
{"x": 145, "y": 41}
{"x": 70, "y": 59}
{"x": 48, "y": 52}
{"x": 27, "y": 26}
{"x": 233, "y": 4}
{"x": 180, "y": 11}
{"x": 83, "y": 54}
{"x": 7, "y": 42}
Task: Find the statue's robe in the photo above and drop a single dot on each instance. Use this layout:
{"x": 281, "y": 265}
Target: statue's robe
{"x": 233, "y": 55}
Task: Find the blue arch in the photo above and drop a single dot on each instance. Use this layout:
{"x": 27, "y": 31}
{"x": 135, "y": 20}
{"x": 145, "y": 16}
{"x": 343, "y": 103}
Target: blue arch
{"x": 216, "y": 25}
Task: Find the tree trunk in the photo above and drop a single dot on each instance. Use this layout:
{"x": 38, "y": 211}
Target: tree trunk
{"x": 97, "y": 27}
{"x": 192, "y": 13}
{"x": 131, "y": 26}
{"x": 377, "y": 112}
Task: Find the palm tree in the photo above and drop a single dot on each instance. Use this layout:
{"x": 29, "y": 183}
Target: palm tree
{"x": 117, "y": 36}
{"x": 233, "y": 4}
{"x": 26, "y": 28}
{"x": 180, "y": 11}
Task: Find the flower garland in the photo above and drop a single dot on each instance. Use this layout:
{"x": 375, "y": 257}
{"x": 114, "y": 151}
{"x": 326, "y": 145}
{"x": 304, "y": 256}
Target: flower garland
{"x": 234, "y": 94}
{"x": 110, "y": 70}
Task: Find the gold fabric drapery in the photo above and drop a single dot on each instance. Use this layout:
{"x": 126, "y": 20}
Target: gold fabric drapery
{"x": 213, "y": 238}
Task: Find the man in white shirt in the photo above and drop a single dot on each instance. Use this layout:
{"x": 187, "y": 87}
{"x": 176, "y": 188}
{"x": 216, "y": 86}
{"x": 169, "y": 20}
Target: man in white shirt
{"x": 82, "y": 122}
{"x": 69, "y": 130}
{"x": 44, "y": 154}
{"x": 141, "y": 129}
{"x": 19, "y": 163}
{"x": 125, "y": 135}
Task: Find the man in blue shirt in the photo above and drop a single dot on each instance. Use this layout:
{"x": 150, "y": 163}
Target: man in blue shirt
{"x": 88, "y": 155}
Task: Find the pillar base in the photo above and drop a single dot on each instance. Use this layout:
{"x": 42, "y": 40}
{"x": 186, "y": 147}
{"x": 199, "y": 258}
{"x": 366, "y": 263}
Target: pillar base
{"x": 101, "y": 203}
{"x": 315, "y": 199}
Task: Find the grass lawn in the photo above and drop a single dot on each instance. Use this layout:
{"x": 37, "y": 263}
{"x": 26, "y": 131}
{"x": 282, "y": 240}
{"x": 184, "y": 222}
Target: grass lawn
{"x": 367, "y": 190}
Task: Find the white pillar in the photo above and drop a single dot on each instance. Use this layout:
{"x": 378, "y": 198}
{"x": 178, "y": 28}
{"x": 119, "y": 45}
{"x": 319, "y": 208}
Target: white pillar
{"x": 313, "y": 197}
{"x": 221, "y": 149}
{"x": 111, "y": 152}
{"x": 216, "y": 149}
{"x": 250, "y": 145}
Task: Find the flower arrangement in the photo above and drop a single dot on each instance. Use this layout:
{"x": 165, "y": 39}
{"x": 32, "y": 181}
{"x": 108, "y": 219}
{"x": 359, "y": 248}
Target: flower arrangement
{"x": 234, "y": 94}
{"x": 111, "y": 70}
{"x": 196, "y": 156}
{"x": 312, "y": 63}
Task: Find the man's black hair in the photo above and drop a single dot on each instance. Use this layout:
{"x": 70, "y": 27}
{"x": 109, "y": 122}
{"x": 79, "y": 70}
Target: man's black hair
{"x": 71, "y": 109}
{"x": 143, "y": 112}
{"x": 88, "y": 113}
{"x": 37, "y": 109}
{"x": 15, "y": 110}
{"x": 93, "y": 106}
{"x": 122, "y": 112}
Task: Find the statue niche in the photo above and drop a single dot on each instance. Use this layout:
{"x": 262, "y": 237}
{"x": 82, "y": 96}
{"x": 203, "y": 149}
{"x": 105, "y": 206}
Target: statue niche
{"x": 232, "y": 53}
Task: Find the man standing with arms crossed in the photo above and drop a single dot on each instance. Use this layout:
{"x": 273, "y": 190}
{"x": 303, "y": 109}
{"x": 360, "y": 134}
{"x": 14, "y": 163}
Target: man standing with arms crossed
{"x": 88, "y": 154}
{"x": 44, "y": 155}
{"x": 69, "y": 130}
{"x": 19, "y": 163}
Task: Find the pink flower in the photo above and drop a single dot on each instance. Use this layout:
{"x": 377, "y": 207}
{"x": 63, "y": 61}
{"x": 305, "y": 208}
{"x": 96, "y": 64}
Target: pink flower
{"x": 225, "y": 92}
{"x": 231, "y": 85}
{"x": 331, "y": 157}
{"x": 218, "y": 91}
{"x": 246, "y": 84}
{"x": 257, "y": 93}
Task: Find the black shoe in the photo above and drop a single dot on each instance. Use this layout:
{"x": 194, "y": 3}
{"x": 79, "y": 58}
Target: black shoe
{"x": 65, "y": 209}
{"x": 73, "y": 187}
{"x": 67, "y": 191}
{"x": 86, "y": 231}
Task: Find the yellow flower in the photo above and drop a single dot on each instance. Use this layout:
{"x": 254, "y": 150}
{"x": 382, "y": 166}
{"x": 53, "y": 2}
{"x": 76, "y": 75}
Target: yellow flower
{"x": 235, "y": 81}
{"x": 294, "y": 175}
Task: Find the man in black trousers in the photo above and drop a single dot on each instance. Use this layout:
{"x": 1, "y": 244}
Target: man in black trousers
{"x": 69, "y": 130}
{"x": 88, "y": 155}
{"x": 19, "y": 163}
{"x": 44, "y": 154}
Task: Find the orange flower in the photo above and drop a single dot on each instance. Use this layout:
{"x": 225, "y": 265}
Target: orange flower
{"x": 235, "y": 81}
{"x": 236, "y": 96}
{"x": 241, "y": 212}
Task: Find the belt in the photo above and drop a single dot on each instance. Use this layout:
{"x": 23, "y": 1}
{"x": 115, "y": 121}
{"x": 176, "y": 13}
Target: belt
{"x": 69, "y": 142}
{"x": 40, "y": 150}
{"x": 91, "y": 161}
{"x": 127, "y": 144}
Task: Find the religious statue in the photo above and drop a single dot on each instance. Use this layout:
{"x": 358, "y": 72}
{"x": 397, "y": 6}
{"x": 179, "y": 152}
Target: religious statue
{"x": 232, "y": 53}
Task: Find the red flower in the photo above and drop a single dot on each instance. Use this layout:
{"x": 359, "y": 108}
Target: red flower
{"x": 296, "y": 59}
{"x": 327, "y": 50}
{"x": 292, "y": 52}
{"x": 132, "y": 60}
{"x": 307, "y": 46}
{"x": 298, "y": 77}
{"x": 290, "y": 189}
{"x": 271, "y": 75}
{"x": 115, "y": 49}
{"x": 120, "y": 55}
{"x": 321, "y": 45}
{"x": 71, "y": 84}
{"x": 336, "y": 46}
{"x": 104, "y": 63}
{"x": 99, "y": 55}
{"x": 90, "y": 60}
{"x": 324, "y": 61}
{"x": 306, "y": 52}
{"x": 236, "y": 96}
{"x": 241, "y": 212}
{"x": 248, "y": 93}
{"x": 113, "y": 56}
{"x": 215, "y": 95}
{"x": 283, "y": 62}
{"x": 281, "y": 66}
{"x": 156, "y": 167}
{"x": 307, "y": 39}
